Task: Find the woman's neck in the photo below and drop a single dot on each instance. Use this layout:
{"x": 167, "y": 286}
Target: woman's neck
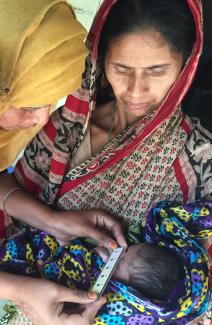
{"x": 106, "y": 124}
{"x": 118, "y": 122}
{"x": 123, "y": 119}
{"x": 111, "y": 117}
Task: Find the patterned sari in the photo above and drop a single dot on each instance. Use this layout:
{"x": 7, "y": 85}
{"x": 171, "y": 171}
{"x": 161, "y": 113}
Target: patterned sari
{"x": 164, "y": 156}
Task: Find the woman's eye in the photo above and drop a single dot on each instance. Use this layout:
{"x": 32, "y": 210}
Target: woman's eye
{"x": 122, "y": 70}
{"x": 156, "y": 72}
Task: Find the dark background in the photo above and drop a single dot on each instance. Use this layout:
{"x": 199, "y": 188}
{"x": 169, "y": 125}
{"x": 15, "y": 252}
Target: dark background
{"x": 207, "y": 14}
{"x": 198, "y": 101}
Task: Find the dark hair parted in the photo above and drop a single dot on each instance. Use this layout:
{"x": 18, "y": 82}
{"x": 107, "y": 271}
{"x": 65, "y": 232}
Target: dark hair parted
{"x": 171, "y": 18}
{"x": 156, "y": 272}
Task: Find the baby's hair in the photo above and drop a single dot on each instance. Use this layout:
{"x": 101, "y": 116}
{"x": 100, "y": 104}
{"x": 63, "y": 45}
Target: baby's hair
{"x": 156, "y": 271}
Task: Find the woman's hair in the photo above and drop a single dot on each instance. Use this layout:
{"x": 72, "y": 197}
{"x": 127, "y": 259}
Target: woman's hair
{"x": 171, "y": 18}
{"x": 156, "y": 271}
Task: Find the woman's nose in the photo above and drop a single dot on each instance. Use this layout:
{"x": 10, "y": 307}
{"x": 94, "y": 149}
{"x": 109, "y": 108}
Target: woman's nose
{"x": 138, "y": 85}
{"x": 41, "y": 115}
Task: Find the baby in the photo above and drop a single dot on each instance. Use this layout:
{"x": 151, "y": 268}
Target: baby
{"x": 151, "y": 269}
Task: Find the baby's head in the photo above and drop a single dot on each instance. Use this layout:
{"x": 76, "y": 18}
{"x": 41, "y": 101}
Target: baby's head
{"x": 151, "y": 269}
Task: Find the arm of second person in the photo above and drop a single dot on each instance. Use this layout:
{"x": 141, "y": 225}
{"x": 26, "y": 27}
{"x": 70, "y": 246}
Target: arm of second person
{"x": 23, "y": 206}
{"x": 64, "y": 225}
{"x": 43, "y": 300}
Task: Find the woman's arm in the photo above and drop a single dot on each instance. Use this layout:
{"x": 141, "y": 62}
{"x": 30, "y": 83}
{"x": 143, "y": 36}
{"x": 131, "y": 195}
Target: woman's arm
{"x": 43, "y": 300}
{"x": 64, "y": 225}
{"x": 23, "y": 206}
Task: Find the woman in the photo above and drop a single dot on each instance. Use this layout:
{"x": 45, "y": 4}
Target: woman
{"x": 41, "y": 45}
{"x": 121, "y": 143}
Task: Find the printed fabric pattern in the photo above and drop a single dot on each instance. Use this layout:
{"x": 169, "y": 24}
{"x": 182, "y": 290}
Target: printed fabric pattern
{"x": 139, "y": 168}
{"x": 176, "y": 227}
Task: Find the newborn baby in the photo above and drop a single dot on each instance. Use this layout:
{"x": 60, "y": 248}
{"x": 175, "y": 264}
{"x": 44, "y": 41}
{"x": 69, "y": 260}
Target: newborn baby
{"x": 151, "y": 269}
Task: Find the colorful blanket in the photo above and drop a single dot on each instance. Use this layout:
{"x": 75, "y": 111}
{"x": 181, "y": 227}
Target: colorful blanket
{"x": 179, "y": 228}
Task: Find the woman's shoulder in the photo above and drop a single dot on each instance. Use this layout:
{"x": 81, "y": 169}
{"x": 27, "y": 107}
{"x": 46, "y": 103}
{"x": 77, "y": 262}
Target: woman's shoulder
{"x": 64, "y": 120}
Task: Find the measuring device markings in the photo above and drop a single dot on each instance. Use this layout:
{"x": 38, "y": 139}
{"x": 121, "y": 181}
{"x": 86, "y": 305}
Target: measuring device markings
{"x": 107, "y": 270}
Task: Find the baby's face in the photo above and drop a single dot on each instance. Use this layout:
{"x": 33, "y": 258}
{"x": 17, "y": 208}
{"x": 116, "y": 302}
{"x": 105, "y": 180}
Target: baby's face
{"x": 125, "y": 266}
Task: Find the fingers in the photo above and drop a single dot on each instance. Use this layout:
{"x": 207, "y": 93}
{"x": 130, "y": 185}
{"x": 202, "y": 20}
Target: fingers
{"x": 92, "y": 309}
{"x": 101, "y": 237}
{"x": 75, "y": 295}
{"x": 108, "y": 222}
{"x": 93, "y": 223}
{"x": 118, "y": 234}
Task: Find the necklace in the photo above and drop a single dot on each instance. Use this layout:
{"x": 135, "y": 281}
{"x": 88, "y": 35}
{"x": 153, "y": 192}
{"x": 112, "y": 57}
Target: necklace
{"x": 112, "y": 121}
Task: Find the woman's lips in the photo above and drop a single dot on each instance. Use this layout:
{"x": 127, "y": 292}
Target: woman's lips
{"x": 137, "y": 105}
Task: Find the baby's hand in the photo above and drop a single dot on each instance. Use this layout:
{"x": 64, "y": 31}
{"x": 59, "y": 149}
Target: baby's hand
{"x": 103, "y": 253}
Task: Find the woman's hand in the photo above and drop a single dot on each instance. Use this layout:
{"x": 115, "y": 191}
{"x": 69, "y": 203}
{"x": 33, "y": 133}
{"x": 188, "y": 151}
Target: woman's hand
{"x": 43, "y": 300}
{"x": 64, "y": 225}
{"x": 21, "y": 118}
{"x": 45, "y": 304}
{"x": 94, "y": 223}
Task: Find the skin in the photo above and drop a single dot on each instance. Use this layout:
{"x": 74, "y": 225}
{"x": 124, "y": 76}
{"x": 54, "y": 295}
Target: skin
{"x": 140, "y": 84}
{"x": 44, "y": 300}
{"x": 64, "y": 225}
{"x": 126, "y": 262}
{"x": 141, "y": 68}
{"x": 22, "y": 118}
{"x": 41, "y": 299}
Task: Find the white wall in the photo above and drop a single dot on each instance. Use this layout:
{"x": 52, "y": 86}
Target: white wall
{"x": 85, "y": 10}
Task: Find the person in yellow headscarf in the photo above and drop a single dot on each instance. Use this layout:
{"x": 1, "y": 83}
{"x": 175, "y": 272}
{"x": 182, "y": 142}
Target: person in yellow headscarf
{"x": 41, "y": 59}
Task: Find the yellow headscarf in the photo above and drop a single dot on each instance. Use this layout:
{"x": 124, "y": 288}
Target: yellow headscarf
{"x": 42, "y": 56}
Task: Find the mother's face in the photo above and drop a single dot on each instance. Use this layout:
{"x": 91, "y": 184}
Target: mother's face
{"x": 141, "y": 69}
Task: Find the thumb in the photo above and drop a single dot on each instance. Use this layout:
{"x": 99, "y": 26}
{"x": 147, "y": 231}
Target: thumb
{"x": 92, "y": 309}
{"x": 75, "y": 295}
